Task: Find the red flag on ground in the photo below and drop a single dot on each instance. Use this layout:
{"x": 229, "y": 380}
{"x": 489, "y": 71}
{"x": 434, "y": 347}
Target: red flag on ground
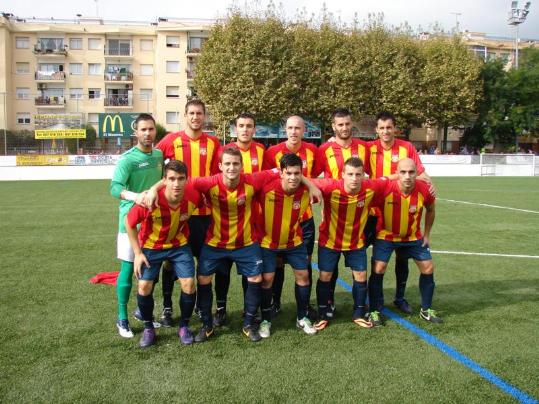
{"x": 107, "y": 278}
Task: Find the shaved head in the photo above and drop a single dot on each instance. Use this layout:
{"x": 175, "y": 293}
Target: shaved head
{"x": 407, "y": 163}
{"x": 407, "y": 174}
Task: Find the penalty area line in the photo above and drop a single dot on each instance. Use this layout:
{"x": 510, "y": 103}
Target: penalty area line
{"x": 485, "y": 254}
{"x": 451, "y": 352}
{"x": 489, "y": 206}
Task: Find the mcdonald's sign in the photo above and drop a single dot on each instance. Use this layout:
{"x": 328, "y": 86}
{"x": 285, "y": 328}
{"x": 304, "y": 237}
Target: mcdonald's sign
{"x": 117, "y": 125}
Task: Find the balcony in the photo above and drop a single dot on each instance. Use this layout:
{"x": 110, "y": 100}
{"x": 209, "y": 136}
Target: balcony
{"x": 119, "y": 101}
{"x": 50, "y": 102}
{"x": 42, "y": 49}
{"x": 44, "y": 77}
{"x": 190, "y": 74}
{"x": 119, "y": 52}
{"x": 126, "y": 77}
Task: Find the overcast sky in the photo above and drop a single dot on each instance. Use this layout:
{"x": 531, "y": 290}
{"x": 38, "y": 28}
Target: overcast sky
{"x": 488, "y": 16}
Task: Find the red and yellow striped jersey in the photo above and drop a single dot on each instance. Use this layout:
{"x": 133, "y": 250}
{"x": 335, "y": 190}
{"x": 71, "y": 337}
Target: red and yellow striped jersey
{"x": 253, "y": 157}
{"x": 233, "y": 217}
{"x": 164, "y": 227}
{"x": 331, "y": 157}
{"x": 201, "y": 156}
{"x": 307, "y": 152}
{"x": 384, "y": 162}
{"x": 344, "y": 214}
{"x": 401, "y": 214}
{"x": 281, "y": 215}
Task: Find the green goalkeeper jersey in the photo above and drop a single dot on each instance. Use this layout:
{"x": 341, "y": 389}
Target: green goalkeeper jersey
{"x": 136, "y": 171}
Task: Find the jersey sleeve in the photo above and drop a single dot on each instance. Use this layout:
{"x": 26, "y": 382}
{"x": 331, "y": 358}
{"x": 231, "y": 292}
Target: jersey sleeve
{"x": 262, "y": 178}
{"x": 429, "y": 198}
{"x": 120, "y": 178}
{"x": 318, "y": 166}
{"x": 214, "y": 166}
{"x": 165, "y": 145}
{"x": 367, "y": 161}
{"x": 203, "y": 184}
{"x": 381, "y": 188}
{"x": 325, "y": 185}
{"x": 136, "y": 215}
{"x": 269, "y": 159}
{"x": 412, "y": 153}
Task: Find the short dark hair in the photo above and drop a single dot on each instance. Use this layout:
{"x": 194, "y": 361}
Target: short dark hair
{"x": 232, "y": 151}
{"x": 195, "y": 102}
{"x": 290, "y": 160}
{"x": 340, "y": 113}
{"x": 245, "y": 115}
{"x": 384, "y": 116}
{"x": 355, "y": 162}
{"x": 176, "y": 166}
{"x": 144, "y": 117}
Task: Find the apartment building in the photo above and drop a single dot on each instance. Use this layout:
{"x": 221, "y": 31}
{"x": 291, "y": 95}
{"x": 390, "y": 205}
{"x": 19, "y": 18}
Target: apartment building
{"x": 92, "y": 66}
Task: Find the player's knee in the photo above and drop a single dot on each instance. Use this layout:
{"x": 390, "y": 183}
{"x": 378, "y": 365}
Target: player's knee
{"x": 325, "y": 276}
{"x": 380, "y": 267}
{"x": 360, "y": 276}
{"x": 188, "y": 285}
{"x": 255, "y": 279}
{"x": 267, "y": 280}
{"x": 145, "y": 288}
{"x": 302, "y": 277}
{"x": 204, "y": 280}
{"x": 426, "y": 267}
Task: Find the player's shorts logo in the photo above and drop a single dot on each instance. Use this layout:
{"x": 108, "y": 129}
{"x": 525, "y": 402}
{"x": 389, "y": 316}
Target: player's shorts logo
{"x": 241, "y": 201}
{"x": 203, "y": 151}
{"x": 254, "y": 162}
{"x": 394, "y": 158}
{"x": 296, "y": 205}
{"x": 412, "y": 209}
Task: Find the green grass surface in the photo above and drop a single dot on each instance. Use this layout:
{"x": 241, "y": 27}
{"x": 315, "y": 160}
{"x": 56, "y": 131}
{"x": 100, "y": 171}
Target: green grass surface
{"x": 59, "y": 342}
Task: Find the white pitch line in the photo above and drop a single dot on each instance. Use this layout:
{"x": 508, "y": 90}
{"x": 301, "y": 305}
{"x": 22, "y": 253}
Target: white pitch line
{"x": 485, "y": 254}
{"x": 489, "y": 206}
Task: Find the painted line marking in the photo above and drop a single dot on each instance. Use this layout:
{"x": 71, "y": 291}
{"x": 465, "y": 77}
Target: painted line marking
{"x": 489, "y": 206}
{"x": 485, "y": 254}
{"x": 451, "y": 352}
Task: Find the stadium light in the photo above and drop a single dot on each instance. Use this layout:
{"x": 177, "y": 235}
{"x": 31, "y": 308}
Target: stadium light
{"x": 516, "y": 17}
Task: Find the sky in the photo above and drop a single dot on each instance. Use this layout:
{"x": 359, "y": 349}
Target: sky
{"x": 487, "y": 16}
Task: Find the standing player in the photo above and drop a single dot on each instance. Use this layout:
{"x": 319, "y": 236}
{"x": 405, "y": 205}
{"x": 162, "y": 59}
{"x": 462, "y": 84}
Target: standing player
{"x": 331, "y": 157}
{"x": 137, "y": 170}
{"x": 283, "y": 203}
{"x": 199, "y": 152}
{"x": 346, "y": 209}
{"x": 402, "y": 209}
{"x": 295, "y": 128}
{"x": 163, "y": 237}
{"x": 252, "y": 154}
{"x": 385, "y": 153}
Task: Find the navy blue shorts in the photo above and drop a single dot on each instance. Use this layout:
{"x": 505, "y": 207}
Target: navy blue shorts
{"x": 248, "y": 260}
{"x": 405, "y": 249}
{"x": 198, "y": 227}
{"x": 181, "y": 262}
{"x": 308, "y": 230}
{"x": 328, "y": 259}
{"x": 296, "y": 257}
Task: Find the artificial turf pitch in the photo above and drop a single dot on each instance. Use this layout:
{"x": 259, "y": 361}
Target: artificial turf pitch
{"x": 59, "y": 341}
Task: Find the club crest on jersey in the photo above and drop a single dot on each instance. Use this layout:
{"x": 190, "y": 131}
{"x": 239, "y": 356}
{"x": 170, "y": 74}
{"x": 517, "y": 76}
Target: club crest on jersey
{"x": 254, "y": 162}
{"x": 304, "y": 163}
{"x": 394, "y": 158}
{"x": 296, "y": 205}
{"x": 412, "y": 209}
{"x": 203, "y": 151}
{"x": 360, "y": 204}
{"x": 184, "y": 217}
{"x": 241, "y": 200}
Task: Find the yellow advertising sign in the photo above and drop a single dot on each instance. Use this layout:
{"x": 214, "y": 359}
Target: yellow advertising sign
{"x": 42, "y": 160}
{"x": 60, "y": 134}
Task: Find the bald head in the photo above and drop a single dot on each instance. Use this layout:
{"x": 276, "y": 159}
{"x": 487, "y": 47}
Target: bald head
{"x": 295, "y": 128}
{"x": 407, "y": 173}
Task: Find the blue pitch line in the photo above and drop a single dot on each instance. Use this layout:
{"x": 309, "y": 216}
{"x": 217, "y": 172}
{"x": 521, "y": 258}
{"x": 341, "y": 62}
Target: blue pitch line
{"x": 451, "y": 352}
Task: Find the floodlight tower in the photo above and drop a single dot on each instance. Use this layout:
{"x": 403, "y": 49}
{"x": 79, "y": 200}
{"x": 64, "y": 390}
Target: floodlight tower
{"x": 516, "y": 17}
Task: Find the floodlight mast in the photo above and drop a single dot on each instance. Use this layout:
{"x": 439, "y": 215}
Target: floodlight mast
{"x": 516, "y": 17}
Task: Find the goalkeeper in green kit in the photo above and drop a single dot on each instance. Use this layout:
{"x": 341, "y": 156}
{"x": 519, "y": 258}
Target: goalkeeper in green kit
{"x": 137, "y": 170}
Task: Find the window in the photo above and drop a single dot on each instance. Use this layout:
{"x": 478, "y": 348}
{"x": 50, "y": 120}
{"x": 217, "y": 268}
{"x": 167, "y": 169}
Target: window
{"x": 23, "y": 118}
{"x": 94, "y": 43}
{"x": 94, "y": 93}
{"x": 146, "y": 70}
{"x": 94, "y": 69}
{"x": 173, "y": 41}
{"x": 75, "y": 43}
{"x": 93, "y": 118}
{"x": 173, "y": 66}
{"x": 22, "y": 67}
{"x": 23, "y": 93}
{"x": 75, "y": 93}
{"x": 75, "y": 68}
{"x": 50, "y": 45}
{"x": 146, "y": 94}
{"x": 119, "y": 47}
{"x": 173, "y": 91}
{"x": 146, "y": 44}
{"x": 172, "y": 117}
{"x": 196, "y": 43}
{"x": 22, "y": 42}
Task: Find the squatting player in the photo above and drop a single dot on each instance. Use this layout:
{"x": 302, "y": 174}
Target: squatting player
{"x": 163, "y": 237}
{"x": 346, "y": 208}
{"x": 402, "y": 209}
{"x": 252, "y": 154}
{"x": 283, "y": 202}
{"x": 295, "y": 128}
{"x": 137, "y": 170}
{"x": 199, "y": 152}
{"x": 331, "y": 158}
